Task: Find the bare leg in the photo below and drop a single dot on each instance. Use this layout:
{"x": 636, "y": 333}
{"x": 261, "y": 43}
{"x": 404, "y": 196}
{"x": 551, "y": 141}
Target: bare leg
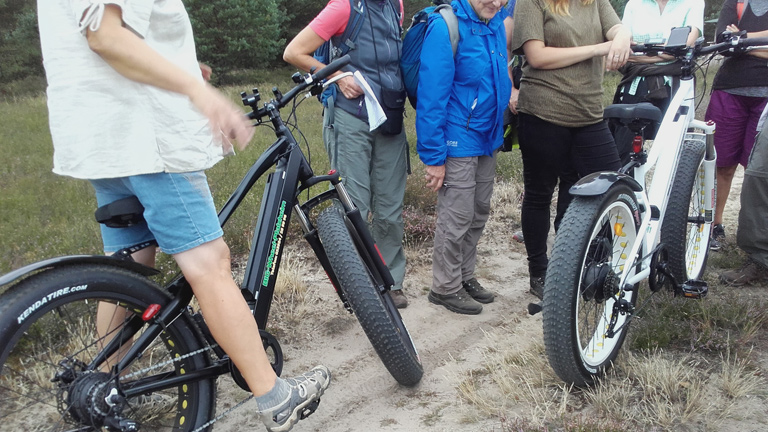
{"x": 724, "y": 180}
{"x": 110, "y": 317}
{"x": 207, "y": 269}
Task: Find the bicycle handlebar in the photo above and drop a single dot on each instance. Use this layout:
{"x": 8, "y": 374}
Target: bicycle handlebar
{"x": 736, "y": 44}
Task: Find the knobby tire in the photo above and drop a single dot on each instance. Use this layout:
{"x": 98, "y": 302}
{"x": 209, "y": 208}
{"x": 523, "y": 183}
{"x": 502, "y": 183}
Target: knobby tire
{"x": 683, "y": 230}
{"x": 584, "y": 281}
{"x": 375, "y": 311}
{"x": 51, "y": 316}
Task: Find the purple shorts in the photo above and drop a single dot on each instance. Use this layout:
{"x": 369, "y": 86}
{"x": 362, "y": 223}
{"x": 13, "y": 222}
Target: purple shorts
{"x": 736, "y": 117}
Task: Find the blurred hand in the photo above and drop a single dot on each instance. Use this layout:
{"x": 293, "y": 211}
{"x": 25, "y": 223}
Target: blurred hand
{"x": 349, "y": 87}
{"x": 513, "y": 100}
{"x": 227, "y": 121}
{"x": 435, "y": 176}
{"x": 206, "y": 71}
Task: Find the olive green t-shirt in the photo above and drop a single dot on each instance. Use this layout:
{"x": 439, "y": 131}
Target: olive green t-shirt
{"x": 571, "y": 96}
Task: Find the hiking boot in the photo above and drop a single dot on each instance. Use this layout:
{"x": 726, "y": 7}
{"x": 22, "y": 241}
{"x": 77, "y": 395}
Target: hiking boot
{"x": 399, "y": 298}
{"x": 751, "y": 273}
{"x": 537, "y": 287}
{"x": 717, "y": 237}
{"x": 477, "y": 292}
{"x": 459, "y": 302}
{"x": 302, "y": 401}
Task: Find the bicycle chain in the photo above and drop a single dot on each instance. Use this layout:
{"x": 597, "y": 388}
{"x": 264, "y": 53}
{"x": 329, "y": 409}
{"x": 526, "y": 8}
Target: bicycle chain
{"x": 178, "y": 359}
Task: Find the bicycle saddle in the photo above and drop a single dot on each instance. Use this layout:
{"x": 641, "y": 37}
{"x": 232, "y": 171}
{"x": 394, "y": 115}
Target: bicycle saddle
{"x": 626, "y": 113}
{"x": 121, "y": 213}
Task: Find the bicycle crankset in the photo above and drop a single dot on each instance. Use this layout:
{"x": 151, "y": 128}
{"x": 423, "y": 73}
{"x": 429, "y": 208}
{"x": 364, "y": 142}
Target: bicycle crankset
{"x": 274, "y": 353}
{"x": 659, "y": 261}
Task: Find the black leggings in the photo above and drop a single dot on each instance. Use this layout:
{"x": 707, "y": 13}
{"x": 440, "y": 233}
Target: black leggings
{"x": 551, "y": 153}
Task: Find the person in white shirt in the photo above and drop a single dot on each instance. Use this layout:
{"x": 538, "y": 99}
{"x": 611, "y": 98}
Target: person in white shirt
{"x": 130, "y": 112}
{"x": 653, "y": 78}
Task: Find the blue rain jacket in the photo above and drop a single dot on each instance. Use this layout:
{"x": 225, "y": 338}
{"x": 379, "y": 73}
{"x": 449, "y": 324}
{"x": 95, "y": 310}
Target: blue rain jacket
{"x": 461, "y": 99}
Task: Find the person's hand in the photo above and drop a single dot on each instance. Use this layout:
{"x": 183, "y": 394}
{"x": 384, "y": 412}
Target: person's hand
{"x": 206, "y": 71}
{"x": 435, "y": 176}
{"x": 513, "y": 100}
{"x": 732, "y": 28}
{"x": 349, "y": 87}
{"x": 619, "y": 49}
{"x": 226, "y": 120}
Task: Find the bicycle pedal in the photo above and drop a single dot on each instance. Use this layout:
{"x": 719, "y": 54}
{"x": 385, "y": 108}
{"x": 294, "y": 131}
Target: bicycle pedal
{"x": 694, "y": 289}
{"x": 309, "y": 409}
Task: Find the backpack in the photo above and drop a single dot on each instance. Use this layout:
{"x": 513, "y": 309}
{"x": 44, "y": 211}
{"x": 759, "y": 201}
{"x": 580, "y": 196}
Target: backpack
{"x": 410, "y": 59}
{"x": 327, "y": 52}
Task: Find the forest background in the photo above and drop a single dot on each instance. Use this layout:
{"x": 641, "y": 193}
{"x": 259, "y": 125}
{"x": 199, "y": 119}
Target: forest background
{"x": 240, "y": 39}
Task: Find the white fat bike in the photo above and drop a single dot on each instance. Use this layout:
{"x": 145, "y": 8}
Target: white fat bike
{"x": 649, "y": 221}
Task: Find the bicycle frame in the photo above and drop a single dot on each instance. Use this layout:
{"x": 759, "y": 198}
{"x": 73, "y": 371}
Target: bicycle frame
{"x": 292, "y": 176}
{"x": 675, "y": 128}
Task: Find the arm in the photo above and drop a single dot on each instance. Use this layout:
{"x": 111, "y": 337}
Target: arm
{"x": 300, "y": 50}
{"x": 431, "y": 108}
{"x": 131, "y": 57}
{"x": 761, "y": 53}
{"x": 509, "y": 26}
{"x": 541, "y": 56}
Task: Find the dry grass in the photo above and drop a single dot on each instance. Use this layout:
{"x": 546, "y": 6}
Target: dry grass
{"x": 646, "y": 391}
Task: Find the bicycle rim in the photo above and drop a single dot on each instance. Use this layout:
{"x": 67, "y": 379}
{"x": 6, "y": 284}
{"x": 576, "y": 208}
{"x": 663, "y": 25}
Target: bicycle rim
{"x": 603, "y": 273}
{"x": 48, "y": 333}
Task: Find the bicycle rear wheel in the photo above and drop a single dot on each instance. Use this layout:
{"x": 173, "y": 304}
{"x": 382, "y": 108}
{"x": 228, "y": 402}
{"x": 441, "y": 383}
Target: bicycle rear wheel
{"x": 375, "y": 310}
{"x": 585, "y": 308}
{"x": 48, "y": 334}
{"x": 684, "y": 229}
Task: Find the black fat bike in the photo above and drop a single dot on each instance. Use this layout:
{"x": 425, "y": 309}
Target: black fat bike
{"x": 56, "y": 372}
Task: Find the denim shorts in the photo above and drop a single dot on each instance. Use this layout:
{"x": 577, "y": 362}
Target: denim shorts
{"x": 178, "y": 210}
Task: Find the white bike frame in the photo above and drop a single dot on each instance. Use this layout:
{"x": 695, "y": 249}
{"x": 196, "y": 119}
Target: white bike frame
{"x": 677, "y": 126}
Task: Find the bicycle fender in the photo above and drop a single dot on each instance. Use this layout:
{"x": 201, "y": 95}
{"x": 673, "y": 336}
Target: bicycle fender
{"x": 598, "y": 183}
{"x": 75, "y": 259}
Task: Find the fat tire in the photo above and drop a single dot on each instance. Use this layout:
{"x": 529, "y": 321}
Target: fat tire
{"x": 33, "y": 323}
{"x": 565, "y": 307}
{"x": 375, "y": 311}
{"x": 687, "y": 241}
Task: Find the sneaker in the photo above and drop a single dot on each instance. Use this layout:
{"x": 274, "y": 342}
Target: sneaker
{"x": 717, "y": 237}
{"x": 459, "y": 302}
{"x": 399, "y": 298}
{"x": 537, "y": 287}
{"x": 750, "y": 274}
{"x": 305, "y": 390}
{"x": 477, "y": 292}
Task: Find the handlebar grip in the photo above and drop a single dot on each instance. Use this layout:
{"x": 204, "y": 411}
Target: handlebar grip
{"x": 331, "y": 68}
{"x": 758, "y": 41}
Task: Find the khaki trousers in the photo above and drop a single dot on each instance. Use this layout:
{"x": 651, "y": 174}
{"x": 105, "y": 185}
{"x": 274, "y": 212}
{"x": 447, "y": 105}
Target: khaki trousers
{"x": 463, "y": 207}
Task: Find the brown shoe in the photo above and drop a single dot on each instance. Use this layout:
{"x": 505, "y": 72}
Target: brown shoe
{"x": 399, "y": 298}
{"x": 459, "y": 302}
{"x": 751, "y": 274}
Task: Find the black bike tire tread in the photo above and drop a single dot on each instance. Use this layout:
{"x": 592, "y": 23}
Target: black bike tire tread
{"x": 674, "y": 226}
{"x": 559, "y": 305}
{"x": 17, "y": 297}
{"x": 365, "y": 300}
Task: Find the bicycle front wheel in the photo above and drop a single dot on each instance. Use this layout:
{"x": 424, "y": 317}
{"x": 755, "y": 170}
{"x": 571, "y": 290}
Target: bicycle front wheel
{"x": 49, "y": 332}
{"x": 375, "y": 310}
{"x": 684, "y": 229}
{"x": 586, "y": 307}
